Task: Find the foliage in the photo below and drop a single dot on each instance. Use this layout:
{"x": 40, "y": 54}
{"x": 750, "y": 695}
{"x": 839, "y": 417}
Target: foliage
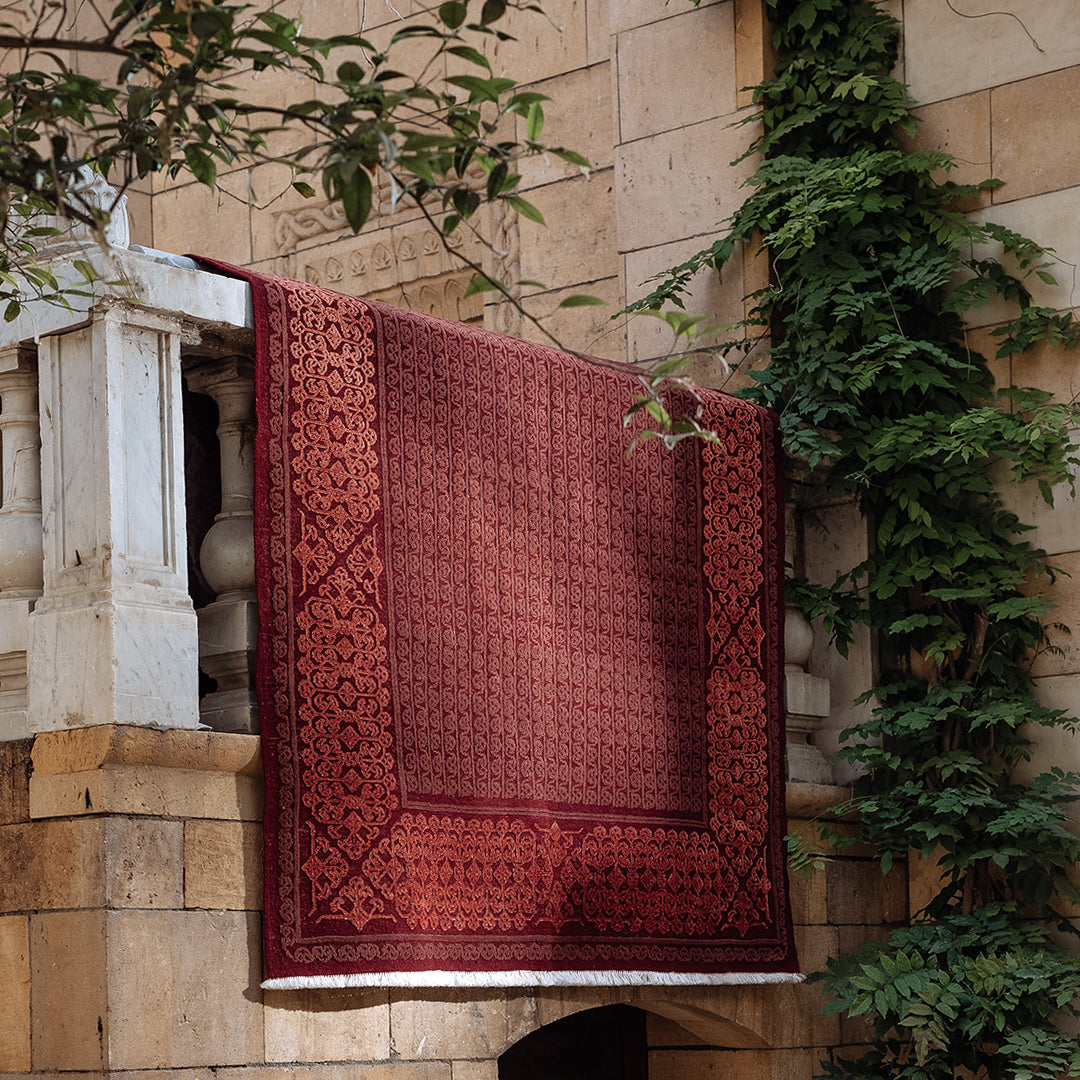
{"x": 177, "y": 105}
{"x": 873, "y": 265}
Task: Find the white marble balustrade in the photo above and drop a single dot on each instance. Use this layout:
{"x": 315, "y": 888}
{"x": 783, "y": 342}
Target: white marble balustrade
{"x": 96, "y": 623}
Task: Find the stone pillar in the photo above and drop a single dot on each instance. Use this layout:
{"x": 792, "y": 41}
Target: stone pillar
{"x": 20, "y": 529}
{"x": 228, "y": 627}
{"x": 807, "y": 697}
{"x": 113, "y": 638}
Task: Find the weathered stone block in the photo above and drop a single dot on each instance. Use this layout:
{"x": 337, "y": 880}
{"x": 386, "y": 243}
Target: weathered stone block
{"x": 578, "y": 117}
{"x": 52, "y": 864}
{"x": 961, "y": 127}
{"x": 809, "y": 906}
{"x": 474, "y": 1070}
{"x": 585, "y": 329}
{"x": 655, "y": 94}
{"x": 858, "y": 893}
{"x": 222, "y": 863}
{"x": 325, "y": 1025}
{"x": 15, "y": 781}
{"x": 626, "y": 14}
{"x": 579, "y": 245}
{"x": 194, "y": 219}
{"x": 445, "y": 1024}
{"x": 184, "y": 989}
{"x": 144, "y": 863}
{"x": 948, "y": 53}
{"x": 15, "y": 993}
{"x": 680, "y": 183}
{"x": 731, "y": 1064}
{"x": 540, "y": 49}
{"x": 815, "y": 944}
{"x": 70, "y": 1019}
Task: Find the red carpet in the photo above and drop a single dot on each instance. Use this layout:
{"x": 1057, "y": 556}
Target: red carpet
{"x": 520, "y": 697}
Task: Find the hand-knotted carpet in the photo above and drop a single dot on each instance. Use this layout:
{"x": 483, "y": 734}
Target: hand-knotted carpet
{"x": 520, "y": 694}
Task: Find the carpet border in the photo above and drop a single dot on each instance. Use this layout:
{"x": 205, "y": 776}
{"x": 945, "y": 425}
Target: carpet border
{"x": 527, "y": 979}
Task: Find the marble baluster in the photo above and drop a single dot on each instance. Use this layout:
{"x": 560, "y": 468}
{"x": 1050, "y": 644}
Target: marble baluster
{"x": 228, "y": 627}
{"x": 20, "y": 529}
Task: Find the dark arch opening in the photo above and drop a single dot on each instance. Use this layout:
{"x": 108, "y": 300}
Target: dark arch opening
{"x": 608, "y": 1043}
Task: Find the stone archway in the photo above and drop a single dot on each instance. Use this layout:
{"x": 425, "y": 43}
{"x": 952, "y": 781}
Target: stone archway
{"x": 605, "y": 1043}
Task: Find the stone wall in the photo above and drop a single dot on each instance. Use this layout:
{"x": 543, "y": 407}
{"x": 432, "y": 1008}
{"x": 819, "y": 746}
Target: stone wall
{"x": 130, "y": 941}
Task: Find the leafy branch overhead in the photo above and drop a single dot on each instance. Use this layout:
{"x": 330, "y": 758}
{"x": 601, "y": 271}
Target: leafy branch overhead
{"x": 883, "y": 401}
{"x": 176, "y": 104}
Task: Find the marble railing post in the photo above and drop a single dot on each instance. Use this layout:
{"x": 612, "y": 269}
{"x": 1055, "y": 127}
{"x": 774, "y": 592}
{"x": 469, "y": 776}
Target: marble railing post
{"x": 229, "y": 626}
{"x": 113, "y": 638}
{"x": 807, "y": 696}
{"x": 20, "y": 529}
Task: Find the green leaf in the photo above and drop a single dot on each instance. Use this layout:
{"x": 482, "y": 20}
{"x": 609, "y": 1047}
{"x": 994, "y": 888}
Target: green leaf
{"x": 526, "y": 209}
{"x": 304, "y": 189}
{"x": 452, "y": 13}
{"x": 582, "y": 300}
{"x": 356, "y": 199}
{"x": 534, "y": 121}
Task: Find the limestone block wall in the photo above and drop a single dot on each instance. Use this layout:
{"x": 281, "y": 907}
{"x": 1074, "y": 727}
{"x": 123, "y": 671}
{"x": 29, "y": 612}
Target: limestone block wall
{"x": 130, "y": 941}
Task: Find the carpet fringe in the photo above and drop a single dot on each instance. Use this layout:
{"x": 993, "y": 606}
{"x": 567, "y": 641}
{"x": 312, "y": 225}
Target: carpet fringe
{"x": 446, "y": 979}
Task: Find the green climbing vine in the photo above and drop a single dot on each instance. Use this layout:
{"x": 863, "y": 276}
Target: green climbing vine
{"x": 873, "y": 265}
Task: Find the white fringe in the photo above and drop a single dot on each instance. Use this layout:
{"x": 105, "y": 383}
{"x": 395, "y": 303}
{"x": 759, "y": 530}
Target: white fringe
{"x": 527, "y": 979}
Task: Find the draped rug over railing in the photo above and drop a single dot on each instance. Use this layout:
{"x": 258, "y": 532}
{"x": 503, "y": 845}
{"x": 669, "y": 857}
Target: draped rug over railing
{"x": 520, "y": 694}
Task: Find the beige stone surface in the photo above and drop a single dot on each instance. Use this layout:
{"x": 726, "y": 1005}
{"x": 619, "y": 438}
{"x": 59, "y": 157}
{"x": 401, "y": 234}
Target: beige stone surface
{"x": 1054, "y": 747}
{"x": 755, "y": 58}
{"x": 222, "y": 863}
{"x": 15, "y": 993}
{"x": 147, "y": 790}
{"x": 578, "y": 117}
{"x": 1064, "y": 593}
{"x": 15, "y": 781}
{"x": 925, "y": 879}
{"x": 82, "y": 749}
{"x": 184, "y": 989}
{"x": 809, "y": 902}
{"x": 714, "y": 295}
{"x": 327, "y": 1025}
{"x": 677, "y": 71}
{"x": 597, "y": 31}
{"x": 662, "y": 1031}
{"x": 474, "y": 1070}
{"x": 947, "y": 54}
{"x": 193, "y": 220}
{"x": 814, "y": 945}
{"x": 544, "y": 46}
{"x": 144, "y": 863}
{"x": 1036, "y": 134}
{"x": 578, "y": 244}
{"x": 588, "y": 330}
{"x": 52, "y": 864}
{"x": 859, "y": 894}
{"x": 961, "y": 127}
{"x": 731, "y": 1064}
{"x": 426, "y": 1024}
{"x": 626, "y": 14}
{"x": 680, "y": 184}
{"x": 70, "y": 1019}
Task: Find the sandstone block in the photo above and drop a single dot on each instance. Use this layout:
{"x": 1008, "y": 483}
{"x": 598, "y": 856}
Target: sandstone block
{"x": 70, "y": 1019}
{"x": 755, "y": 58}
{"x": 663, "y": 1032}
{"x": 544, "y": 46}
{"x": 51, "y": 865}
{"x": 731, "y": 1064}
{"x": 144, "y": 863}
{"x": 1036, "y": 129}
{"x": 578, "y": 245}
{"x": 961, "y": 127}
{"x": 597, "y": 33}
{"x": 626, "y": 14}
{"x": 15, "y": 781}
{"x": 680, "y": 184}
{"x": 193, "y": 219}
{"x": 474, "y": 1070}
{"x": 859, "y": 894}
{"x": 1064, "y": 593}
{"x": 15, "y": 993}
{"x": 809, "y": 905}
{"x": 578, "y": 117}
{"x": 589, "y": 330}
{"x": 222, "y": 863}
{"x": 445, "y": 1024}
{"x": 675, "y": 72}
{"x": 184, "y": 989}
{"x": 946, "y": 54}
{"x": 815, "y": 944}
{"x": 323, "y": 1025}
{"x": 147, "y": 790}
{"x": 714, "y": 295}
